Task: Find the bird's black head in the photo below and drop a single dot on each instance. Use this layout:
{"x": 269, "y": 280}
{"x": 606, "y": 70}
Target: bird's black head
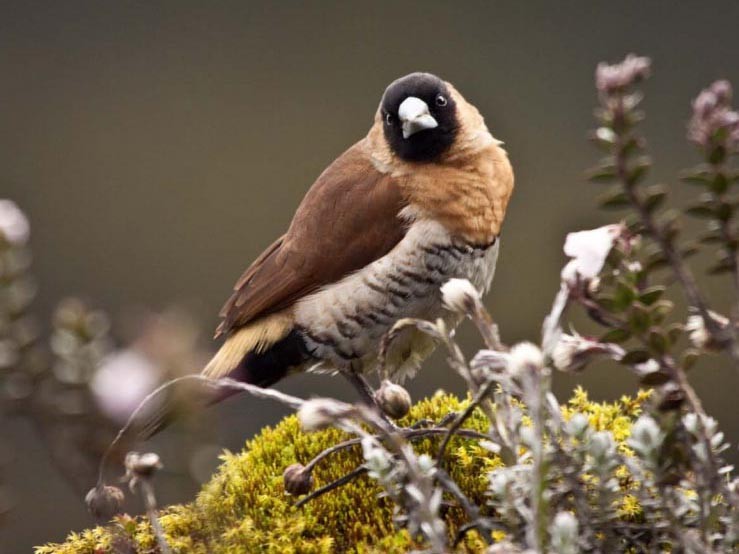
{"x": 419, "y": 117}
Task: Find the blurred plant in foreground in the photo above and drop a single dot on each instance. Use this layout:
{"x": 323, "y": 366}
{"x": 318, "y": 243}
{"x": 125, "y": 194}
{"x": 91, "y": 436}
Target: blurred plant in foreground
{"x": 510, "y": 469}
{"x": 78, "y": 388}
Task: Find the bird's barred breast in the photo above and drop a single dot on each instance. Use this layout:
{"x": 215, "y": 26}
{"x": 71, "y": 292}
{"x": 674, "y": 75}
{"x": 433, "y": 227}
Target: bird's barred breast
{"x": 343, "y": 323}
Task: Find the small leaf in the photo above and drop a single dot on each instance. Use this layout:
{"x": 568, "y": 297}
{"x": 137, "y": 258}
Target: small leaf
{"x": 724, "y": 211}
{"x": 702, "y": 175}
{"x": 652, "y": 294}
{"x": 701, "y": 211}
{"x": 634, "y": 225}
{"x": 617, "y": 335}
{"x": 710, "y": 237}
{"x": 723, "y": 266}
{"x": 608, "y": 303}
{"x": 655, "y": 378}
{"x": 720, "y": 184}
{"x": 602, "y": 174}
{"x": 670, "y": 223}
{"x": 639, "y": 170}
{"x": 690, "y": 356}
{"x": 624, "y": 295}
{"x": 689, "y": 250}
{"x": 717, "y": 154}
{"x": 614, "y": 199}
{"x": 661, "y": 309}
{"x": 655, "y": 197}
{"x": 657, "y": 340}
{"x": 639, "y": 318}
{"x": 635, "y": 357}
{"x": 674, "y": 332}
{"x": 655, "y": 259}
{"x": 632, "y": 145}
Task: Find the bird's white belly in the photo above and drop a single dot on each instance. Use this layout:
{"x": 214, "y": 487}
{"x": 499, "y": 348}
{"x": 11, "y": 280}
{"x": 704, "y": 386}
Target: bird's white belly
{"x": 343, "y": 323}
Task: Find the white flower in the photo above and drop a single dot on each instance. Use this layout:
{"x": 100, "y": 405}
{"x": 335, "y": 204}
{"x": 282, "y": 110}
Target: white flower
{"x": 319, "y": 413}
{"x": 525, "y": 356}
{"x": 564, "y": 532}
{"x": 697, "y": 331}
{"x": 490, "y": 360}
{"x": 377, "y": 459}
{"x": 460, "y": 296}
{"x": 123, "y": 380}
{"x": 573, "y": 352}
{"x": 13, "y": 223}
{"x": 578, "y": 425}
{"x": 646, "y": 436}
{"x": 589, "y": 250}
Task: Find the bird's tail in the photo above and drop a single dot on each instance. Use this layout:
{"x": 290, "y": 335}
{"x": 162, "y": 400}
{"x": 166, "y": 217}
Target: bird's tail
{"x": 260, "y": 353}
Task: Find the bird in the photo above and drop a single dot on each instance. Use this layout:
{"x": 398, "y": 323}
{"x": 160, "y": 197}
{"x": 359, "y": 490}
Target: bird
{"x": 419, "y": 200}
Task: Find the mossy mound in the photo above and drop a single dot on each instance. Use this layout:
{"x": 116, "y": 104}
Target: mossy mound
{"x": 244, "y": 508}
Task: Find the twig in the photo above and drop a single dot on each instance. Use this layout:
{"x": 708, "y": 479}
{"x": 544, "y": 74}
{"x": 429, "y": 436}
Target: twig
{"x": 474, "y": 403}
{"x": 151, "y": 510}
{"x": 472, "y": 511}
{"x": 410, "y": 434}
{"x": 220, "y": 384}
{"x": 331, "y": 486}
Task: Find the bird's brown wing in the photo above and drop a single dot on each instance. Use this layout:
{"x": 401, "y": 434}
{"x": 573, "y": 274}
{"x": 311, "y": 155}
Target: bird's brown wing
{"x": 348, "y": 219}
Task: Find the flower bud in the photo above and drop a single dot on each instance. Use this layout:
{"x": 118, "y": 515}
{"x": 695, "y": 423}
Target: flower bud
{"x": 564, "y": 533}
{"x": 460, "y": 296}
{"x": 297, "y": 480}
{"x": 104, "y": 501}
{"x": 14, "y": 227}
{"x": 525, "y": 356}
{"x": 574, "y": 352}
{"x": 393, "y": 399}
{"x": 143, "y": 465}
{"x": 698, "y": 333}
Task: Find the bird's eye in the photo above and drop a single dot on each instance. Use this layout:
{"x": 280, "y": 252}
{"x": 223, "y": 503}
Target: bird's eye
{"x": 389, "y": 118}
{"x": 441, "y": 101}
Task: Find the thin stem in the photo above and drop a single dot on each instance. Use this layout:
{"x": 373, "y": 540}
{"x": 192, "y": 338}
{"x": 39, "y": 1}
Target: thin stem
{"x": 474, "y": 403}
{"x": 409, "y": 434}
{"x": 219, "y": 384}
{"x": 472, "y": 511}
{"x": 331, "y": 486}
{"x": 488, "y": 328}
{"x": 151, "y": 509}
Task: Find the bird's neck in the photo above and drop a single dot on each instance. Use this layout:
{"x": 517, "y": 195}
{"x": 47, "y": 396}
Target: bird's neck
{"x": 468, "y": 195}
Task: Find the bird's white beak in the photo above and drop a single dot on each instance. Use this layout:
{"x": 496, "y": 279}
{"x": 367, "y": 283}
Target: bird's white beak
{"x": 414, "y": 116}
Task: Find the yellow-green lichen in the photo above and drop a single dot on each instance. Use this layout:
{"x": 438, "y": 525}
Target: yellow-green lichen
{"x": 244, "y": 508}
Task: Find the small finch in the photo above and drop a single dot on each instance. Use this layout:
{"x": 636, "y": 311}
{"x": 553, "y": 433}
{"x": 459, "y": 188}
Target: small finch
{"x": 418, "y": 201}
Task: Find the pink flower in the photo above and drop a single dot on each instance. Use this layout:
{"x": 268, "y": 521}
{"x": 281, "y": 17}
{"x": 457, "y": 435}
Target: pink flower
{"x": 124, "y": 379}
{"x": 14, "y": 225}
{"x": 617, "y": 77}
{"x": 714, "y": 119}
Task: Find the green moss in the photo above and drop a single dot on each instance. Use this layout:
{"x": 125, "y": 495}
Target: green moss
{"x": 244, "y": 509}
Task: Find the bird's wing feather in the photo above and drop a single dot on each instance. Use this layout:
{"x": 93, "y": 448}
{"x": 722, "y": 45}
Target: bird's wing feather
{"x": 348, "y": 219}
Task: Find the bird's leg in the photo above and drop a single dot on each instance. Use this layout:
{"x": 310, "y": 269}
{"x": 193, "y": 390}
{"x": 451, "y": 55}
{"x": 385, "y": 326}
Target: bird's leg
{"x": 366, "y": 393}
{"x": 359, "y": 382}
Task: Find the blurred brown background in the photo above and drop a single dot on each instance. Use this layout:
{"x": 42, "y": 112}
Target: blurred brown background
{"x": 158, "y": 146}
